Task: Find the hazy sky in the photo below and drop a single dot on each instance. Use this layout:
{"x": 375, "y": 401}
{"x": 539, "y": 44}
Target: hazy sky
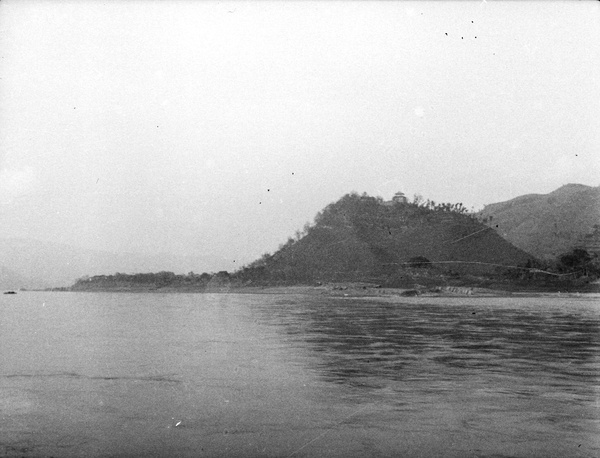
{"x": 216, "y": 127}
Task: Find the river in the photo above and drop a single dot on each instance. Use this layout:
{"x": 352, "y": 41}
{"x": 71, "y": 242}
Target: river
{"x": 257, "y": 375}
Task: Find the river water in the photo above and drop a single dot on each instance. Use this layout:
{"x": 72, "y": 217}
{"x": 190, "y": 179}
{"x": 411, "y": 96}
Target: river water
{"x": 248, "y": 375}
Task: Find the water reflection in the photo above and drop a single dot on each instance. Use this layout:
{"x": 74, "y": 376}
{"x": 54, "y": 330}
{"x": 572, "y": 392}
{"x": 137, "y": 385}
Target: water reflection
{"x": 375, "y": 344}
{"x": 492, "y": 377}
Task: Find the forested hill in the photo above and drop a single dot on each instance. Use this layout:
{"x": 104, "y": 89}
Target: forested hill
{"x": 363, "y": 238}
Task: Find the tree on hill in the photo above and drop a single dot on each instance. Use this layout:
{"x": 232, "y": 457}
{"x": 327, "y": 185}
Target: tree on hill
{"x": 579, "y": 262}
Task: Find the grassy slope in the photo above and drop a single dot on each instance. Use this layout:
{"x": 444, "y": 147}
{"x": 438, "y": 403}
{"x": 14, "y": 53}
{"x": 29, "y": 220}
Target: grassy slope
{"x": 550, "y": 224}
{"x": 360, "y": 239}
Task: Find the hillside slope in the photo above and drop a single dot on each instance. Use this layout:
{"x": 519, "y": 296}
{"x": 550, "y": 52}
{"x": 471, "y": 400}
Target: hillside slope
{"x": 364, "y": 238}
{"x": 547, "y": 225}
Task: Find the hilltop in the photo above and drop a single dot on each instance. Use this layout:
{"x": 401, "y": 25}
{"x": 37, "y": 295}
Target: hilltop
{"x": 363, "y": 238}
{"x": 548, "y": 225}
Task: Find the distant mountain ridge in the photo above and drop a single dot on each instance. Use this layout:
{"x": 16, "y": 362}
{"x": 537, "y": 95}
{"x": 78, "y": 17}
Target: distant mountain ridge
{"x": 547, "y": 225}
{"x": 36, "y": 264}
{"x": 357, "y": 237}
{"x": 12, "y": 280}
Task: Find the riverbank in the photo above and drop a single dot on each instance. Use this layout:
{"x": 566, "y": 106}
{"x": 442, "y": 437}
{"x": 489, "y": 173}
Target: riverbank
{"x": 342, "y": 289}
{"x": 352, "y": 290}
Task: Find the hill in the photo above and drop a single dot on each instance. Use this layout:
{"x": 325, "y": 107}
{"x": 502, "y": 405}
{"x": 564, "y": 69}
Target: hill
{"x": 39, "y": 264}
{"x": 363, "y": 238}
{"x": 548, "y": 225}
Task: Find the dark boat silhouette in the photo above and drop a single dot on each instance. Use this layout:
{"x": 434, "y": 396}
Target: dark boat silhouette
{"x": 10, "y": 292}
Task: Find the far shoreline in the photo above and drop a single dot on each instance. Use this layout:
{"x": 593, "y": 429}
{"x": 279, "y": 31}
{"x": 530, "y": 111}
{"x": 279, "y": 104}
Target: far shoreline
{"x": 347, "y": 290}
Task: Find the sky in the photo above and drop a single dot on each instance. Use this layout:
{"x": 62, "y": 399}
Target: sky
{"x": 221, "y": 128}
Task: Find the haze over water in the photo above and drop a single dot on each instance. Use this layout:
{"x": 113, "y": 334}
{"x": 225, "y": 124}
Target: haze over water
{"x": 220, "y": 128}
{"x": 86, "y": 374}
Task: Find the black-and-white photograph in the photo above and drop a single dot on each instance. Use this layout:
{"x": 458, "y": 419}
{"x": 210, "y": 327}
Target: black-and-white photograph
{"x": 322, "y": 229}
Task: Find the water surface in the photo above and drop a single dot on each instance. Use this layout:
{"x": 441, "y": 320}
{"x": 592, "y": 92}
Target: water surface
{"x": 101, "y": 374}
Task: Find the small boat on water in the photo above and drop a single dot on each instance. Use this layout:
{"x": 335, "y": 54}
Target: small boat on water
{"x": 10, "y": 292}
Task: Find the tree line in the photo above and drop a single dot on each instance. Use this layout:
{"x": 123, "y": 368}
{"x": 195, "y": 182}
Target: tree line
{"x": 152, "y": 280}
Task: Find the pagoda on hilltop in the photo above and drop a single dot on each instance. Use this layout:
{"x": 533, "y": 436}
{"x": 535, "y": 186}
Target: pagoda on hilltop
{"x": 399, "y": 198}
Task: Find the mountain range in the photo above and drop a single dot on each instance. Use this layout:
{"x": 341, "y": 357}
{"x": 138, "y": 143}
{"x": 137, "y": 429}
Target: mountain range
{"x": 355, "y": 237}
{"x": 27, "y": 263}
{"x": 548, "y": 225}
